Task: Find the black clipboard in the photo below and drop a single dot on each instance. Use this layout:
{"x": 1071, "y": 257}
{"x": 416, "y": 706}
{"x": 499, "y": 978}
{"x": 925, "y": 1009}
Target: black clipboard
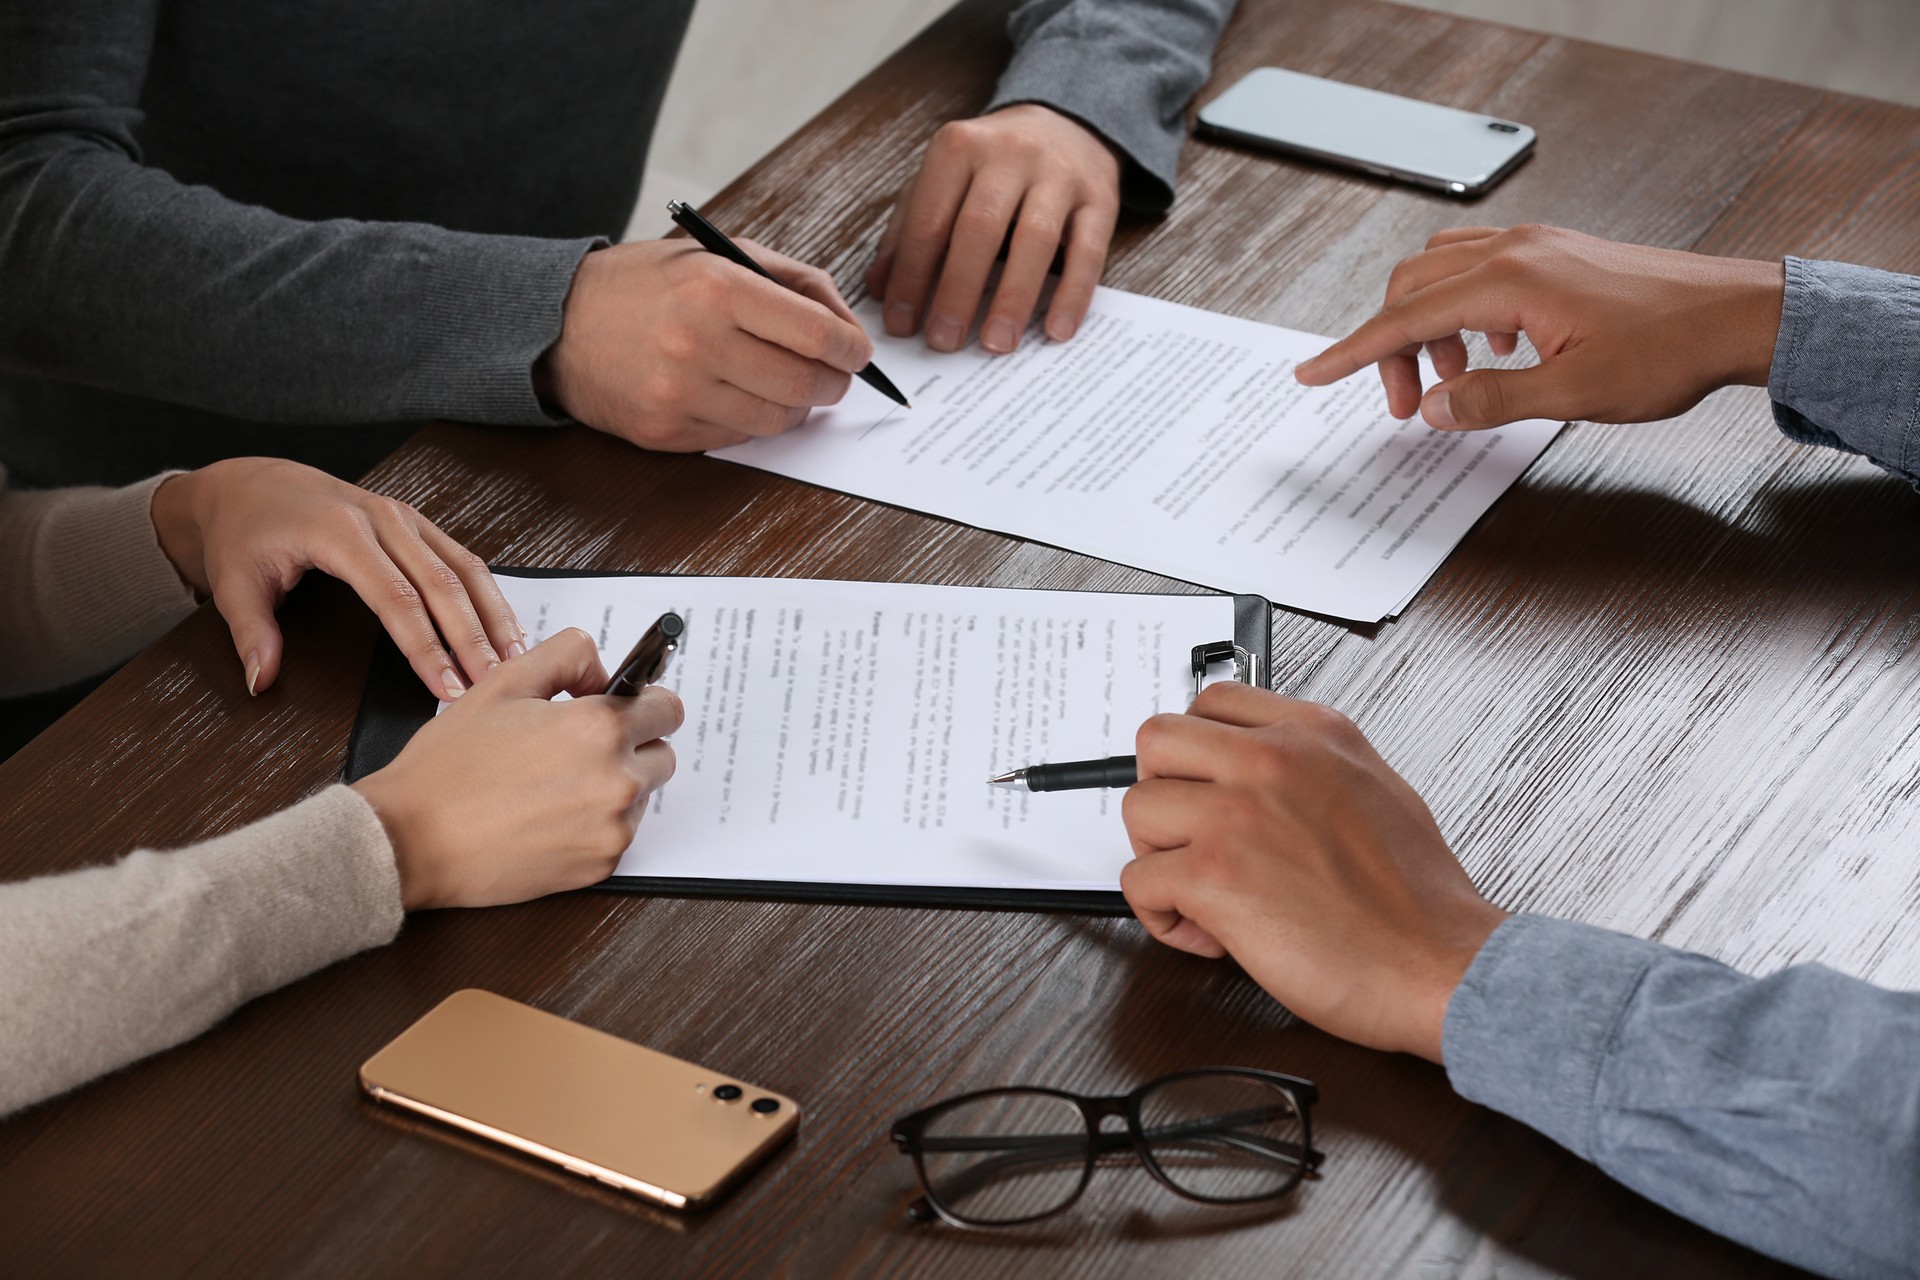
{"x": 396, "y": 704}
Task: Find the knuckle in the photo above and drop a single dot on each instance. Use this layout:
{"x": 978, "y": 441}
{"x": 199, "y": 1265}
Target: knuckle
{"x": 813, "y": 338}
{"x": 401, "y": 591}
{"x": 956, "y": 135}
{"x": 679, "y": 344}
{"x": 1483, "y": 399}
{"x": 669, "y": 764}
{"x": 664, "y": 389}
{"x": 1043, "y": 229}
{"x": 1271, "y": 755}
{"x": 443, "y": 577}
{"x": 978, "y": 222}
{"x": 1152, "y": 733}
{"x": 671, "y": 707}
{"x": 925, "y": 225}
{"x": 1324, "y": 722}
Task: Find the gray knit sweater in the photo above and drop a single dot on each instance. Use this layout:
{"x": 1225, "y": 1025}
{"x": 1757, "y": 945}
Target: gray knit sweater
{"x": 285, "y": 226}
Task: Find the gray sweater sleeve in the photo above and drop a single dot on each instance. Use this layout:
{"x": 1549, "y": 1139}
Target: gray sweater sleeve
{"x": 1782, "y": 1112}
{"x": 1124, "y": 68}
{"x": 120, "y": 277}
{"x": 1846, "y": 367}
{"x": 101, "y": 967}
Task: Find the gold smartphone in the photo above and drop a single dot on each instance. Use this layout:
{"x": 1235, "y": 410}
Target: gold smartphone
{"x": 596, "y": 1105}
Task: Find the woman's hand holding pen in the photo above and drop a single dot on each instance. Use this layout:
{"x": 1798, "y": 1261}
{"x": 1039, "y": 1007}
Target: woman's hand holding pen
{"x": 671, "y": 347}
{"x": 245, "y": 530}
{"x": 1626, "y": 333}
{"x": 1271, "y": 830}
{"x": 509, "y": 796}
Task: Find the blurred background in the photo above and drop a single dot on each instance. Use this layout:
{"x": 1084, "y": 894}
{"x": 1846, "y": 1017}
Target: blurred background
{"x": 753, "y": 71}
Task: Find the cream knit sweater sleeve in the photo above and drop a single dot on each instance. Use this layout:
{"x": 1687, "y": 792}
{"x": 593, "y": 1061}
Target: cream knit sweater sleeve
{"x": 103, "y": 966}
{"x": 83, "y": 583}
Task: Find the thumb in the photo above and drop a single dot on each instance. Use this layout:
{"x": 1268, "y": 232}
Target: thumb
{"x": 566, "y": 662}
{"x": 246, "y": 601}
{"x": 1494, "y": 397}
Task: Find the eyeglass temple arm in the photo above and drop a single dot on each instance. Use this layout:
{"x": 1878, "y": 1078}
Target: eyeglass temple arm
{"x": 1020, "y": 1149}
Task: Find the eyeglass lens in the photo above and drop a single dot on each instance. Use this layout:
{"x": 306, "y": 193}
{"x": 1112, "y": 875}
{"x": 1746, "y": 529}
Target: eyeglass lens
{"x": 1009, "y": 1157}
{"x": 1227, "y": 1137}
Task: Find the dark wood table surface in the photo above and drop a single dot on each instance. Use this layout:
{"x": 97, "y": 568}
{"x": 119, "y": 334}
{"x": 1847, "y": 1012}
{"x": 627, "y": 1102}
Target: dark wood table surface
{"x": 1666, "y": 685}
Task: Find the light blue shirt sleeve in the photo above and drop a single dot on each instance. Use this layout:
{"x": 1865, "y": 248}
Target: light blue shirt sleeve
{"x": 1782, "y": 1112}
{"x": 1846, "y": 367}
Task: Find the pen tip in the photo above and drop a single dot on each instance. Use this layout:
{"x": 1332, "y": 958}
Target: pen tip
{"x": 1004, "y": 779}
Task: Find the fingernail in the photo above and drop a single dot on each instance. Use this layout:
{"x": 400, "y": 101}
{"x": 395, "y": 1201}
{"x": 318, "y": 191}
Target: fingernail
{"x": 1060, "y": 328}
{"x": 451, "y": 683}
{"x": 1439, "y": 409}
{"x": 515, "y": 649}
{"x": 998, "y": 337}
{"x": 253, "y": 672}
{"x": 900, "y": 319}
{"x": 944, "y": 333}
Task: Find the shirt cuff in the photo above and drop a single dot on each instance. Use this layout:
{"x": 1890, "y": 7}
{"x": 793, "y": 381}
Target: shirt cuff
{"x": 1530, "y": 1025}
{"x": 303, "y": 888}
{"x": 491, "y": 308}
{"x": 1846, "y": 366}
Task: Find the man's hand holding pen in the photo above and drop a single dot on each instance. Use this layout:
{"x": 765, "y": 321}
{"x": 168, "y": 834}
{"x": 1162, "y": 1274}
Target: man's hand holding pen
{"x": 672, "y": 347}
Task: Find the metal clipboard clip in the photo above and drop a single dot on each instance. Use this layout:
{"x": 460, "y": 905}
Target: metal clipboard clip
{"x": 1246, "y": 663}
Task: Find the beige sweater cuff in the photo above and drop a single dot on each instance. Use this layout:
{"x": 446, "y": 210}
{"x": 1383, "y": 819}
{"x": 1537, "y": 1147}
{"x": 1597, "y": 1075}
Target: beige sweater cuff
{"x": 101, "y": 967}
{"x": 83, "y": 583}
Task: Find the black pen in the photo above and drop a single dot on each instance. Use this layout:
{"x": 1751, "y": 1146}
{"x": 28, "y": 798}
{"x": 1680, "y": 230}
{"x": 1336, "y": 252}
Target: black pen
{"x": 1072, "y": 775}
{"x": 649, "y": 659}
{"x": 714, "y": 240}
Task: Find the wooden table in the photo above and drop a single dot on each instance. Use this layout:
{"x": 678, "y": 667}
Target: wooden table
{"x": 1666, "y": 685}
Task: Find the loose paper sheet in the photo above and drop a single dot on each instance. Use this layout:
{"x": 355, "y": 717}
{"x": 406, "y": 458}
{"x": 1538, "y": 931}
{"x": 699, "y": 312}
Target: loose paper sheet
{"x": 1171, "y": 439}
{"x": 843, "y": 732}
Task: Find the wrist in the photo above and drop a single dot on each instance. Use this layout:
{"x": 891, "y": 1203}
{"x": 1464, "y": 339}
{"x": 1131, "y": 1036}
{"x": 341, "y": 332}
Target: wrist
{"x": 176, "y": 527}
{"x": 1452, "y": 958}
{"x": 418, "y": 890}
{"x": 1754, "y": 296}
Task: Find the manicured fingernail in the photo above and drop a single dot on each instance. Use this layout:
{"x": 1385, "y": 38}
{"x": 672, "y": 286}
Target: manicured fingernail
{"x": 998, "y": 337}
{"x": 944, "y": 333}
{"x": 451, "y": 683}
{"x": 1060, "y": 328}
{"x": 515, "y": 649}
{"x": 900, "y": 319}
{"x": 1439, "y": 410}
{"x": 253, "y": 672}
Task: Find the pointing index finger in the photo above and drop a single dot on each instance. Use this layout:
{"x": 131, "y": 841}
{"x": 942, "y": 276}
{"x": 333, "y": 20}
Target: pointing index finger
{"x": 1441, "y": 310}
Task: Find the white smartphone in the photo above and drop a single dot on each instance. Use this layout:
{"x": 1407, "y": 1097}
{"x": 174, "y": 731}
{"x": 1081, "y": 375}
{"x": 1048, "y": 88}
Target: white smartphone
{"x": 1460, "y": 152}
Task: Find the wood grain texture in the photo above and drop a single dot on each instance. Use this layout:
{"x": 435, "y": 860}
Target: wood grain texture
{"x": 1665, "y": 685}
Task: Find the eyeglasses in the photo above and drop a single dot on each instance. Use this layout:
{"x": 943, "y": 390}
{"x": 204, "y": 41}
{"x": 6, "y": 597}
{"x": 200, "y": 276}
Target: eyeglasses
{"x": 1004, "y": 1157}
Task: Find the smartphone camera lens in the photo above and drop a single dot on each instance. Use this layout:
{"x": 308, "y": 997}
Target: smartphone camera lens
{"x": 1502, "y": 126}
{"x": 727, "y": 1092}
{"x": 766, "y": 1106}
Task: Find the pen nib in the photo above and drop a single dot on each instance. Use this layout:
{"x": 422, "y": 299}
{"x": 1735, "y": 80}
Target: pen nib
{"x": 1018, "y": 778}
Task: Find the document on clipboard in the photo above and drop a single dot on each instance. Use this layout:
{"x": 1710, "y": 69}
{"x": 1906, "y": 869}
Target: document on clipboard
{"x": 840, "y": 735}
